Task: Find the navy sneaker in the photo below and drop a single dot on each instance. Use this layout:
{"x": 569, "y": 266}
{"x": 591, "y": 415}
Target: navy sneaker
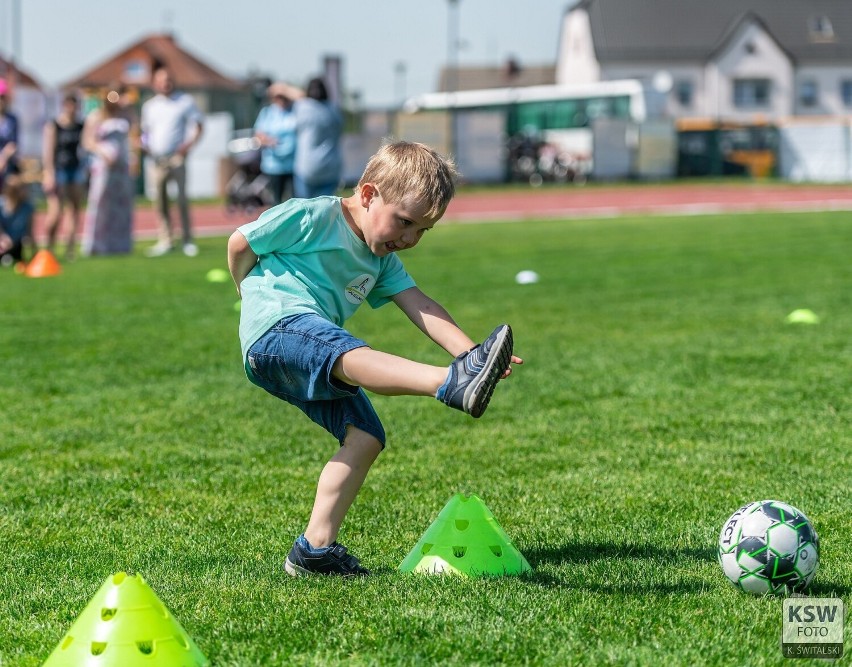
{"x": 332, "y": 560}
{"x": 474, "y": 374}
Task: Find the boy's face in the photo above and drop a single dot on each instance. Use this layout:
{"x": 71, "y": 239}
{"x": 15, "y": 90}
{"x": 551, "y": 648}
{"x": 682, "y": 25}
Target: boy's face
{"x": 388, "y": 228}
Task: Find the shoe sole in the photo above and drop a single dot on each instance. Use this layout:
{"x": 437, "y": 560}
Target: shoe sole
{"x": 295, "y": 571}
{"x": 498, "y": 361}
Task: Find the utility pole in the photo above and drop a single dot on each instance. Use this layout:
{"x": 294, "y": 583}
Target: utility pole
{"x": 15, "y": 54}
{"x": 452, "y": 69}
{"x": 400, "y": 69}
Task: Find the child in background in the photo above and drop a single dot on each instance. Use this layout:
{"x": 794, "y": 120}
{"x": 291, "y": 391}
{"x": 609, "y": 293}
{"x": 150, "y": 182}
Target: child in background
{"x": 302, "y": 269}
{"x": 63, "y": 173}
{"x": 16, "y": 222}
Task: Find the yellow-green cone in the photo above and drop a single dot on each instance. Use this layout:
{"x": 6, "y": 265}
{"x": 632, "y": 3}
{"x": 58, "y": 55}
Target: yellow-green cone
{"x": 126, "y": 625}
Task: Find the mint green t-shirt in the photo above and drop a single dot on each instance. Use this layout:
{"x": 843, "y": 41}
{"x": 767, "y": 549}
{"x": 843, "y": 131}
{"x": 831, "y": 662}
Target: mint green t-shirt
{"x": 310, "y": 261}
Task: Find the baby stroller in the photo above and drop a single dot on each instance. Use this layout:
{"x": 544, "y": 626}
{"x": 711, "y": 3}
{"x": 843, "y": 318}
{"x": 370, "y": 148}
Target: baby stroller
{"x": 246, "y": 190}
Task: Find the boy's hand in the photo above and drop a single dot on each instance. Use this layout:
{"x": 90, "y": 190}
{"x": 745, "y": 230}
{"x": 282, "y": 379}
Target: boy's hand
{"x": 508, "y": 371}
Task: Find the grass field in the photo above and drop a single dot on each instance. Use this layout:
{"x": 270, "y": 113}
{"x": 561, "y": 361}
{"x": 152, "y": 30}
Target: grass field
{"x": 662, "y": 389}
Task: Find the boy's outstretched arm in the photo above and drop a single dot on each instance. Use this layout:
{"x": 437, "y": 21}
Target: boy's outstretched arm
{"x": 433, "y": 320}
{"x": 241, "y": 258}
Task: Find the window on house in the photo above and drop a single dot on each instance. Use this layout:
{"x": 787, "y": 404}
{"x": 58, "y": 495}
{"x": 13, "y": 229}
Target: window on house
{"x": 136, "y": 71}
{"x": 752, "y": 93}
{"x": 808, "y": 94}
{"x": 683, "y": 91}
{"x": 846, "y": 92}
{"x": 820, "y": 29}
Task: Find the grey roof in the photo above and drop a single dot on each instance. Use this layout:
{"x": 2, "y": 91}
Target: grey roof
{"x": 689, "y": 30}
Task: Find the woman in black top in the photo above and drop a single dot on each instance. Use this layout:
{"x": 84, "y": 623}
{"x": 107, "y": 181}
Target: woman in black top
{"x": 64, "y": 173}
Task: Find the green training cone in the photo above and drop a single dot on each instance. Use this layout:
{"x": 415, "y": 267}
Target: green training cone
{"x": 218, "y": 276}
{"x": 803, "y": 316}
{"x": 465, "y": 539}
{"x": 126, "y": 625}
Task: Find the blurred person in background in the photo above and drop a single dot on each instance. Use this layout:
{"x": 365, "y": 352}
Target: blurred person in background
{"x": 275, "y": 128}
{"x": 63, "y": 172}
{"x": 16, "y": 221}
{"x": 171, "y": 125}
{"x": 109, "y": 214}
{"x": 8, "y": 135}
{"x": 319, "y": 163}
{"x": 127, "y": 98}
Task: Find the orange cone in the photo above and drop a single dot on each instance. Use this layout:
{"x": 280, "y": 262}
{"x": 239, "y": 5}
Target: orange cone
{"x": 42, "y": 265}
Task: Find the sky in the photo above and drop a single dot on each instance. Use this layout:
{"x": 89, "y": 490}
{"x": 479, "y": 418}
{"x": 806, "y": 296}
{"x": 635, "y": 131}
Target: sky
{"x": 391, "y": 48}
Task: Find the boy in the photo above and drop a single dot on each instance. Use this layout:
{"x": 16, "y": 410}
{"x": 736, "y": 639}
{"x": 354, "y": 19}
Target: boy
{"x": 302, "y": 269}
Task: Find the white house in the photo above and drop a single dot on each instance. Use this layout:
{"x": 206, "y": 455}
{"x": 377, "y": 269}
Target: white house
{"x": 740, "y": 61}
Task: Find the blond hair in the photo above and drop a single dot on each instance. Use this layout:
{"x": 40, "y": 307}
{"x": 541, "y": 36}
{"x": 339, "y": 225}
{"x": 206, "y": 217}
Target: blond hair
{"x": 411, "y": 173}
{"x": 15, "y": 189}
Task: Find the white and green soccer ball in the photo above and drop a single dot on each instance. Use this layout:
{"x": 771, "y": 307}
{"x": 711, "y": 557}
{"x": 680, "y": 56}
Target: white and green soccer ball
{"x": 769, "y": 547}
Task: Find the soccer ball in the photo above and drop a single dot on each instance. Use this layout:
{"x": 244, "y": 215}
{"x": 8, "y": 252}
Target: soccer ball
{"x": 769, "y": 547}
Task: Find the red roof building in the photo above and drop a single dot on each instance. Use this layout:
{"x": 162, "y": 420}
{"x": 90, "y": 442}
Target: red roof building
{"x": 133, "y": 65}
{"x": 15, "y": 76}
{"x": 29, "y": 104}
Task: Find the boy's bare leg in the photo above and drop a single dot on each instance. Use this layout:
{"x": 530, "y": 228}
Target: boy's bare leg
{"x": 388, "y": 374}
{"x": 466, "y": 384}
{"x": 339, "y": 483}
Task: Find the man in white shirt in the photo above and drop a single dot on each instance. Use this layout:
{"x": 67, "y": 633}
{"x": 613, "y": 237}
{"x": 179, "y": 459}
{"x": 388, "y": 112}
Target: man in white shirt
{"x": 171, "y": 125}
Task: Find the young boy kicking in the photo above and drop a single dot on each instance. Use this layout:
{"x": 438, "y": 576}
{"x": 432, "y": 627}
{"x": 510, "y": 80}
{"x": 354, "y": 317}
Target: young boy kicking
{"x": 302, "y": 269}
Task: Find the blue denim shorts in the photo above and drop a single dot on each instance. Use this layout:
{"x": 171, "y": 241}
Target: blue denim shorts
{"x": 73, "y": 176}
{"x": 293, "y": 361}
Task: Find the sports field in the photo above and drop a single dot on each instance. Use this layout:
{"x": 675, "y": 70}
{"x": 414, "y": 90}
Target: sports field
{"x": 662, "y": 389}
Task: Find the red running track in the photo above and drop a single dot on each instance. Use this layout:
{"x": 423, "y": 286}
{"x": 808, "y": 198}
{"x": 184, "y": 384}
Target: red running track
{"x": 570, "y": 202}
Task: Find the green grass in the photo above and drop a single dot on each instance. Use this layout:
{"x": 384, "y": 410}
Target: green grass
{"x": 662, "y": 389}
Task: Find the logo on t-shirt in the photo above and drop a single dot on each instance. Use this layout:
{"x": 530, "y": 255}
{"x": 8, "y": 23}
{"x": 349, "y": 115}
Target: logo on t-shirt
{"x": 358, "y": 289}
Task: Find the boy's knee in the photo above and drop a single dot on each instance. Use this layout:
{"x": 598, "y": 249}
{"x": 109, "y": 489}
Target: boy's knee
{"x": 348, "y": 358}
{"x": 362, "y": 441}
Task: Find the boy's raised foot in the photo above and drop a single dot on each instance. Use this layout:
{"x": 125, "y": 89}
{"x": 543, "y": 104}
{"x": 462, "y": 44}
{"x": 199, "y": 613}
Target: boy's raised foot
{"x": 475, "y": 373}
{"x": 334, "y": 560}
